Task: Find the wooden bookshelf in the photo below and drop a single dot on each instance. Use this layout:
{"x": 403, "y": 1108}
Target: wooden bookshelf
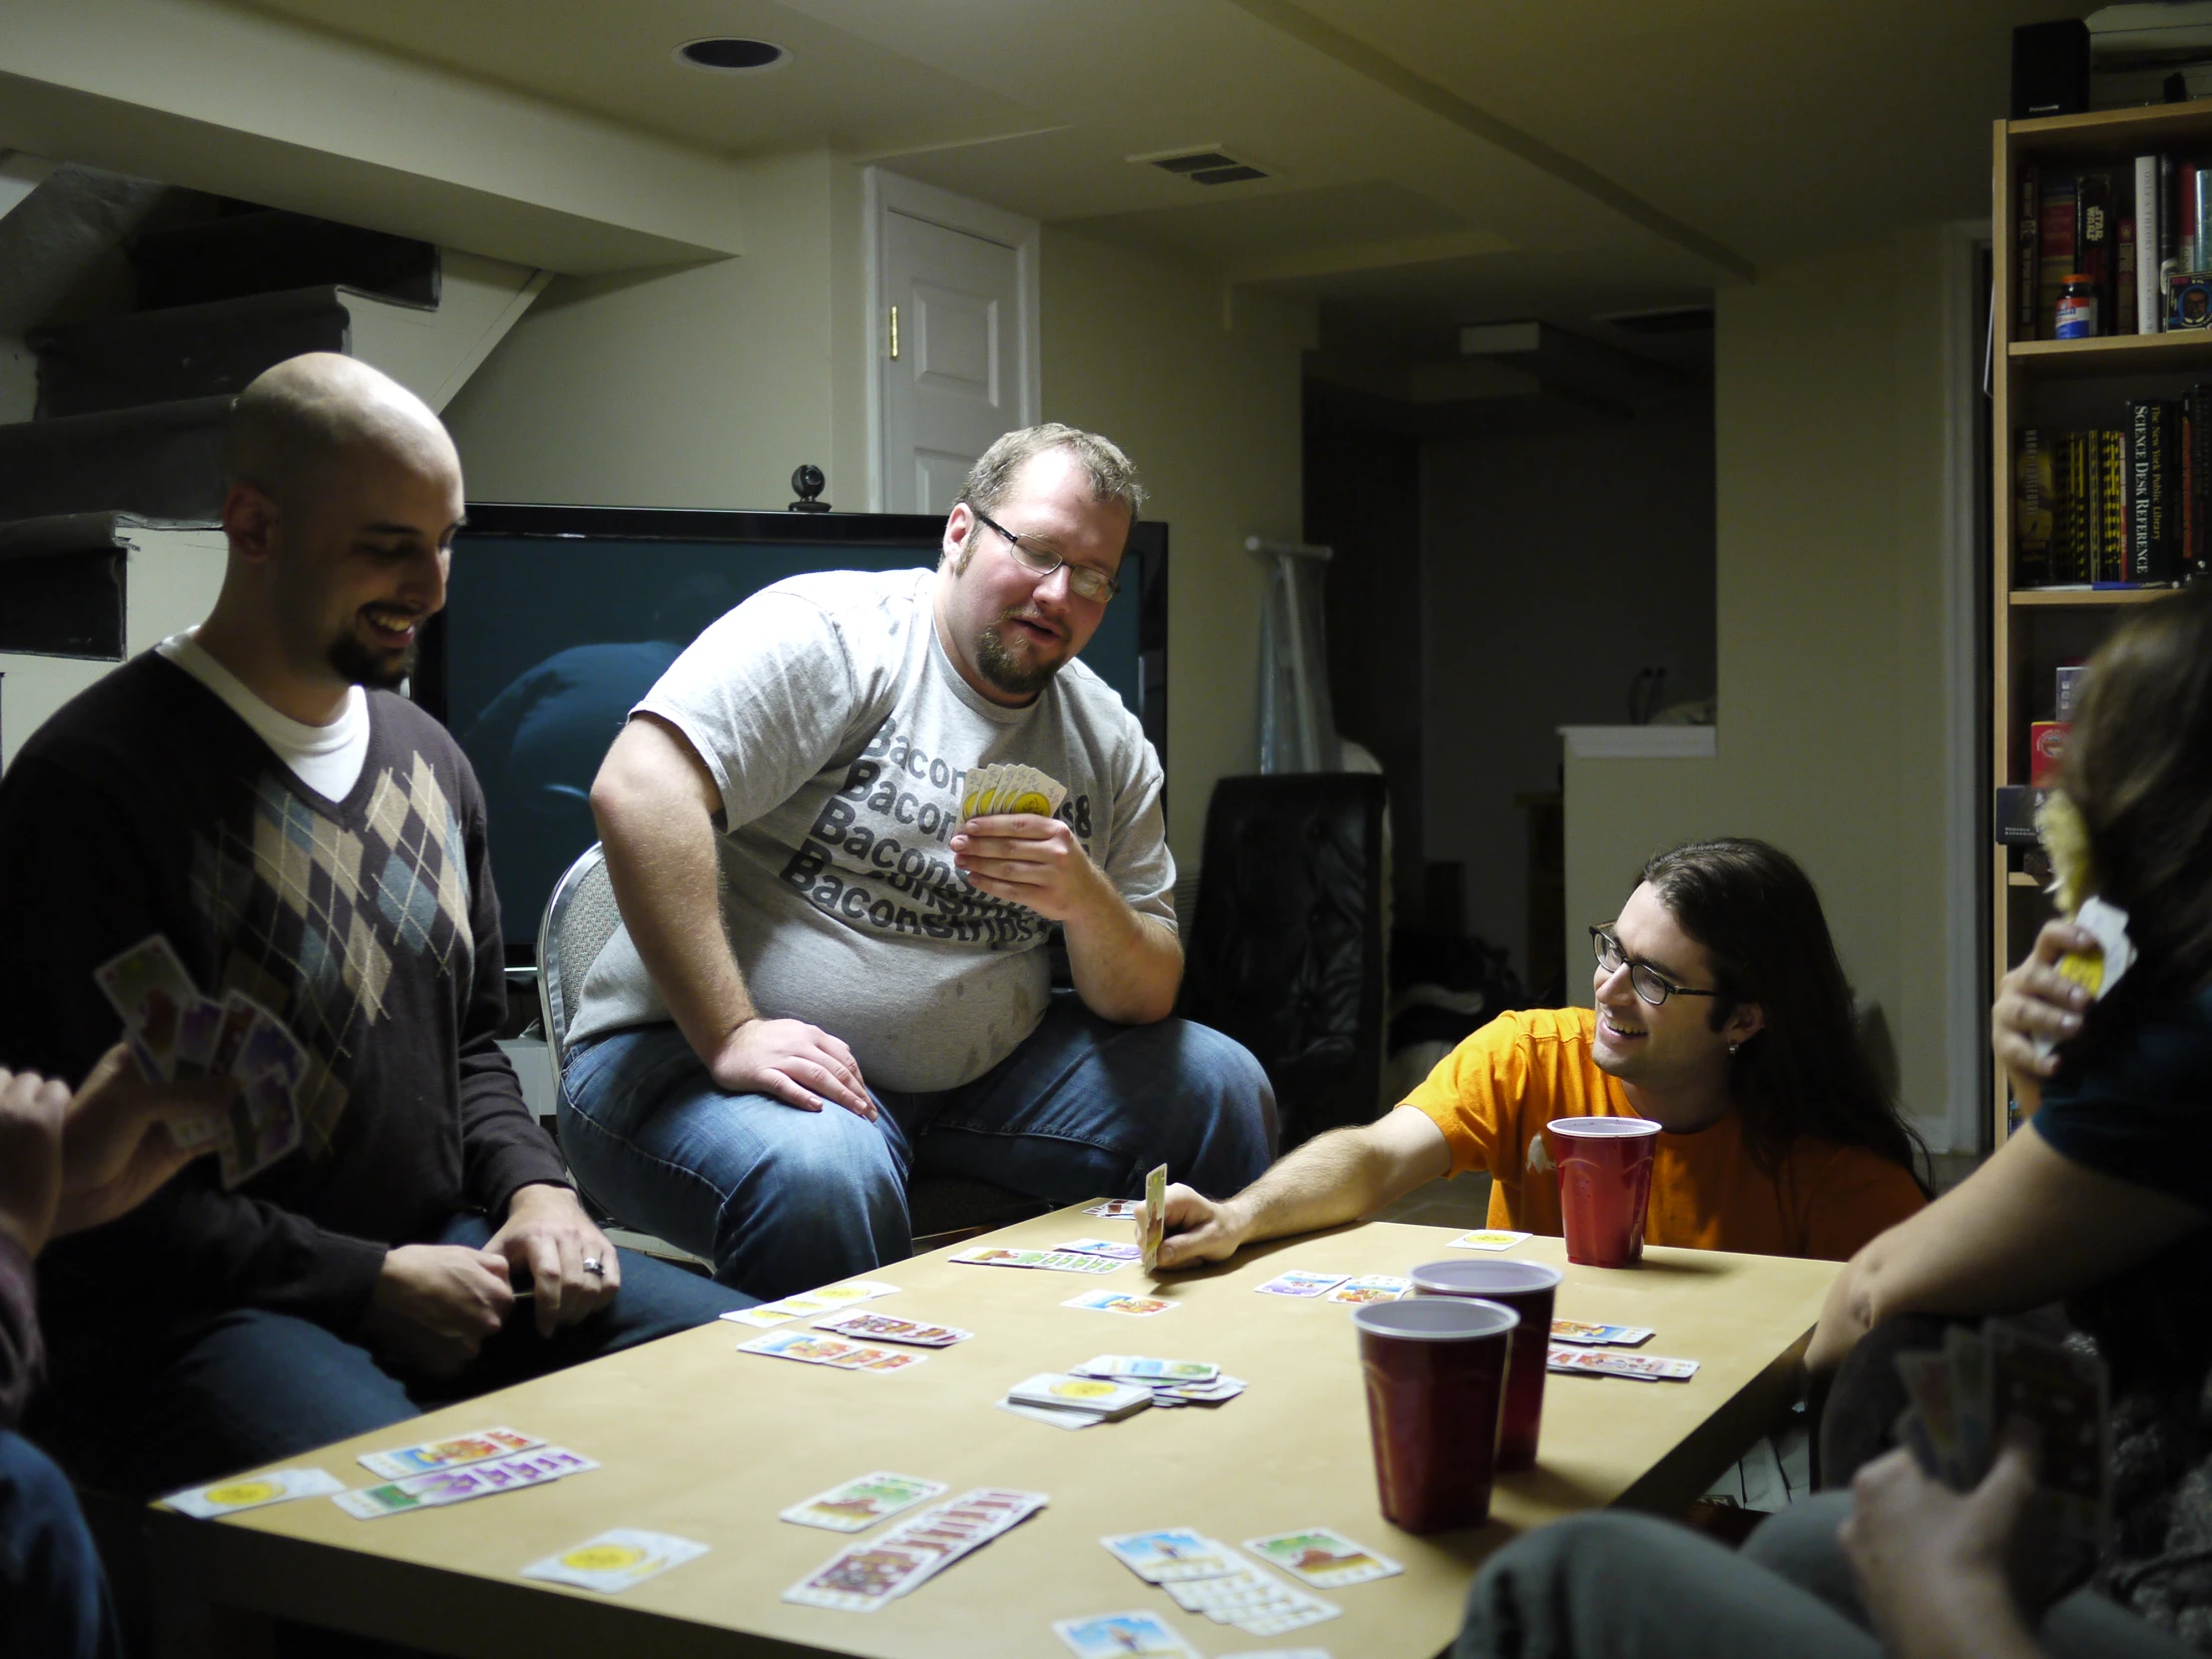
{"x": 2038, "y": 382}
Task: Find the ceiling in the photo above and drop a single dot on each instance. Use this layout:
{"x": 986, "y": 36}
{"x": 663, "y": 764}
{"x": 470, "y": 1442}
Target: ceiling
{"x": 1433, "y": 162}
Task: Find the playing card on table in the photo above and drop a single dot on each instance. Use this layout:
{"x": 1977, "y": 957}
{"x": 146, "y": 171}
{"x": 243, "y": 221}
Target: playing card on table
{"x": 615, "y": 1560}
{"x": 860, "y": 1504}
{"x": 1098, "y": 1396}
{"x": 860, "y": 1325}
{"x": 1369, "y": 1287}
{"x": 1101, "y": 1247}
{"x": 1324, "y": 1557}
{"x": 1488, "y": 1238}
{"x": 1049, "y": 1260}
{"x": 1114, "y": 1302}
{"x": 1138, "y": 1635}
{"x": 1253, "y": 1600}
{"x": 1168, "y": 1553}
{"x": 1645, "y": 1367}
{"x": 1156, "y": 1216}
{"x": 148, "y": 988}
{"x": 476, "y": 1447}
{"x": 829, "y": 1299}
{"x": 1300, "y": 1284}
{"x": 802, "y": 1346}
{"x": 1047, "y": 1414}
{"x": 1113, "y": 1209}
{"x": 429, "y": 1491}
{"x": 863, "y": 1578}
{"x": 251, "y": 1491}
{"x": 1600, "y": 1335}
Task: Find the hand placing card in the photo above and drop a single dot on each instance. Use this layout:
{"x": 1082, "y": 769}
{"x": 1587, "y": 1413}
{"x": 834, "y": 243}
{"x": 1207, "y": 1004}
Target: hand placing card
{"x": 1155, "y": 1216}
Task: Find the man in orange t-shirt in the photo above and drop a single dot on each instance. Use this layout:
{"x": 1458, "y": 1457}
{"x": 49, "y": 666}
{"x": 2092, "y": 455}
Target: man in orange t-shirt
{"x": 1722, "y": 1014}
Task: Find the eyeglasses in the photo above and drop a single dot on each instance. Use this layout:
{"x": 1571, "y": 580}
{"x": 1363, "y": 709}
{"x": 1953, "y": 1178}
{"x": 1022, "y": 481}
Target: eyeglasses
{"x": 1083, "y": 581}
{"x": 1650, "y": 984}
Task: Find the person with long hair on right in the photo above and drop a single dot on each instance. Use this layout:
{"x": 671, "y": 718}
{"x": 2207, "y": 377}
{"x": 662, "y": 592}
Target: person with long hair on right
{"x": 2102, "y": 1201}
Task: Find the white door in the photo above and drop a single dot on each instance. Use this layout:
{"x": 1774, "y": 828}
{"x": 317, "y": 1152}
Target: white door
{"x": 954, "y": 344}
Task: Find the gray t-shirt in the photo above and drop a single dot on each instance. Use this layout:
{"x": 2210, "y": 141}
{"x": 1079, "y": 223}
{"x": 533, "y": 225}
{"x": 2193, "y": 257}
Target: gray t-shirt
{"x": 838, "y": 732}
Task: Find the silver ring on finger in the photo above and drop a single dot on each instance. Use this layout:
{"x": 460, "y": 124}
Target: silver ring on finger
{"x": 593, "y": 1264}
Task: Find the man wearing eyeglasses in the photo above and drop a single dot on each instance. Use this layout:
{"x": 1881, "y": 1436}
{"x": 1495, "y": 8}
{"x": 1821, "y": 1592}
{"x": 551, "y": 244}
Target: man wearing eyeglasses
{"x": 1722, "y": 1014}
{"x": 762, "y": 1056}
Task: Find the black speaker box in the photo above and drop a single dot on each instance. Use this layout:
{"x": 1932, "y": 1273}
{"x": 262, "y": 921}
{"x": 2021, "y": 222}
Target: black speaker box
{"x": 2050, "y": 69}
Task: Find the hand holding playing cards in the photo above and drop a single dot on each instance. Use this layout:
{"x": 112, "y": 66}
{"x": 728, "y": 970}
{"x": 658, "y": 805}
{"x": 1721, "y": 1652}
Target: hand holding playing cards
{"x": 2036, "y": 1000}
{"x": 1030, "y": 859}
{"x": 548, "y": 1236}
{"x": 117, "y": 1150}
{"x": 1947, "y": 1572}
{"x": 791, "y": 1061}
{"x": 1198, "y": 1228}
{"x": 434, "y": 1305}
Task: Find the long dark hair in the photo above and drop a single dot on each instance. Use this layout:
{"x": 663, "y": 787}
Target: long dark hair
{"x": 2138, "y": 769}
{"x": 1805, "y": 1071}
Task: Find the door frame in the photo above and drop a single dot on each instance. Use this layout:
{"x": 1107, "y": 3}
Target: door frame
{"x": 883, "y": 192}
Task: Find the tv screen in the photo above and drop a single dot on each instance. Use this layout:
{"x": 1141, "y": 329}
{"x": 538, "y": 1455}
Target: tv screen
{"x": 559, "y": 619}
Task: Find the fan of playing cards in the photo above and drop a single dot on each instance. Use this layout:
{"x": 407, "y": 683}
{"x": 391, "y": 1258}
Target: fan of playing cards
{"x": 1963, "y": 1396}
{"x": 1000, "y": 788}
{"x": 176, "y": 1035}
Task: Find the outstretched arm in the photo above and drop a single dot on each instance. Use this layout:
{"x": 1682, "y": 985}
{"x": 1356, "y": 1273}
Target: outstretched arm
{"x": 656, "y": 802}
{"x": 1332, "y": 1179}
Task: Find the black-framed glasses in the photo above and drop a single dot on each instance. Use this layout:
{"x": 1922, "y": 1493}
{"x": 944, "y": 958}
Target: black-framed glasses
{"x": 1650, "y": 984}
{"x": 1083, "y": 581}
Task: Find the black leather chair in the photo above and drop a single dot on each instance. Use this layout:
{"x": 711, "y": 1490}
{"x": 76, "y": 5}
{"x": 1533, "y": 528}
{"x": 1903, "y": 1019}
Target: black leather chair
{"x": 1287, "y": 952}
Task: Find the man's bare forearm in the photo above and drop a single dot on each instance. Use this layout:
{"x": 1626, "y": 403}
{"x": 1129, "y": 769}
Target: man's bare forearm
{"x": 660, "y": 848}
{"x": 1332, "y": 1179}
{"x": 1126, "y": 967}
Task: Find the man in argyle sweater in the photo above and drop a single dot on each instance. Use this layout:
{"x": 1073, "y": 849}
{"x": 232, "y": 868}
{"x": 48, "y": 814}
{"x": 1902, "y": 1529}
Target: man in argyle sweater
{"x": 254, "y": 791}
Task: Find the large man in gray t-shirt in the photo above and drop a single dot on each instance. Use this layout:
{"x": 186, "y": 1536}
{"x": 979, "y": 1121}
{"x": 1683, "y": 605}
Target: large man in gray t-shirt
{"x": 824, "y": 979}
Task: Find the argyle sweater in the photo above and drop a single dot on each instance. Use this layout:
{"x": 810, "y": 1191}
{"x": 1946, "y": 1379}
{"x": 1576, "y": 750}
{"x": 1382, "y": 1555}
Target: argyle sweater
{"x": 367, "y": 924}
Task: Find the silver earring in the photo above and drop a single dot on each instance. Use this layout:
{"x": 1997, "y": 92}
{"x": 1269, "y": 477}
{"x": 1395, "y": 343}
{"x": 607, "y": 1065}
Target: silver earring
{"x": 1732, "y": 1048}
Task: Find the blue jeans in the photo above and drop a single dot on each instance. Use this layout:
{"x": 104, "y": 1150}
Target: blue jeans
{"x": 54, "y": 1601}
{"x": 782, "y": 1200}
{"x": 249, "y": 1386}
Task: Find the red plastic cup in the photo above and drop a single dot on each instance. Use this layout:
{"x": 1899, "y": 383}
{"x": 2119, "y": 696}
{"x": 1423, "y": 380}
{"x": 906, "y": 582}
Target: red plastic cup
{"x": 1605, "y": 1186}
{"x": 1436, "y": 1371}
{"x": 1528, "y": 1288}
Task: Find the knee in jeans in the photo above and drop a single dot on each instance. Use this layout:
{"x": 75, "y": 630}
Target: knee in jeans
{"x": 838, "y": 1156}
{"x": 33, "y": 1483}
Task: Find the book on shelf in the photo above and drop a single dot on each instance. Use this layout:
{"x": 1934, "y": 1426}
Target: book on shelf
{"x": 2143, "y": 251}
{"x": 2054, "y": 260}
{"x": 2136, "y": 232}
{"x": 2126, "y": 506}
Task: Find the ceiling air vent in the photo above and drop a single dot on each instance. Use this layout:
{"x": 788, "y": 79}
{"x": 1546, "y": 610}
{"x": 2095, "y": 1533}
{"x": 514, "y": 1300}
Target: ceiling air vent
{"x": 1209, "y": 165}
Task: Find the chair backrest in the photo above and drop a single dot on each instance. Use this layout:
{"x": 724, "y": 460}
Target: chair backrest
{"x": 1286, "y": 952}
{"x": 580, "y": 918}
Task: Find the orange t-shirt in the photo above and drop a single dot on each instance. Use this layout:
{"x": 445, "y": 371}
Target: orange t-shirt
{"x": 1492, "y": 1095}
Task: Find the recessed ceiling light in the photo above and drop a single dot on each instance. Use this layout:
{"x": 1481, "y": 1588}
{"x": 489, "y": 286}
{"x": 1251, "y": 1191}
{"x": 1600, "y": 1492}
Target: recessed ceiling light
{"x": 730, "y": 55}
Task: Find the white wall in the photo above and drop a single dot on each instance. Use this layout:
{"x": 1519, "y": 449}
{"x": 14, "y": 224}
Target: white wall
{"x": 1559, "y": 559}
{"x": 1831, "y": 540}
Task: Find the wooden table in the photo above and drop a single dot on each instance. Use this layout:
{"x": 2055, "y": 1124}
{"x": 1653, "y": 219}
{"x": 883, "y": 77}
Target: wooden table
{"x": 699, "y": 1440}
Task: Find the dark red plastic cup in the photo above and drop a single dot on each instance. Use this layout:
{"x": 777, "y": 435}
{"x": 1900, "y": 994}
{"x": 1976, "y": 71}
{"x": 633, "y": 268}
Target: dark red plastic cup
{"x": 1605, "y": 1186}
{"x": 1528, "y": 1288}
{"x": 1436, "y": 1372}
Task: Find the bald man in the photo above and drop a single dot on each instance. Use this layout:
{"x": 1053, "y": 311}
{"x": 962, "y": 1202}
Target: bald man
{"x": 252, "y": 791}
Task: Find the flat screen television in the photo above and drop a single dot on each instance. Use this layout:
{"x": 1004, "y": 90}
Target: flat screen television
{"x": 558, "y": 620}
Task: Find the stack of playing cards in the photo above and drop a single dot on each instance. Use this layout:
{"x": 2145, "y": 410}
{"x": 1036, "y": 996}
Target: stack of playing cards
{"x": 1172, "y": 1381}
{"x": 811, "y": 1349}
{"x": 1336, "y": 1287}
{"x": 830, "y": 1298}
{"x": 862, "y": 1325}
{"x": 1600, "y": 1335}
{"x": 1113, "y": 1209}
{"x": 1963, "y": 1396}
{"x": 1052, "y": 1261}
{"x": 1154, "y": 1217}
{"x": 479, "y": 1445}
{"x": 860, "y": 1504}
{"x": 1599, "y": 1361}
{"x": 1101, "y": 1400}
{"x": 861, "y": 1577}
{"x": 1103, "y": 1246}
{"x": 1000, "y": 788}
{"x": 458, "y": 1485}
{"x": 177, "y": 1036}
{"x": 616, "y": 1561}
{"x": 1205, "y": 1576}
